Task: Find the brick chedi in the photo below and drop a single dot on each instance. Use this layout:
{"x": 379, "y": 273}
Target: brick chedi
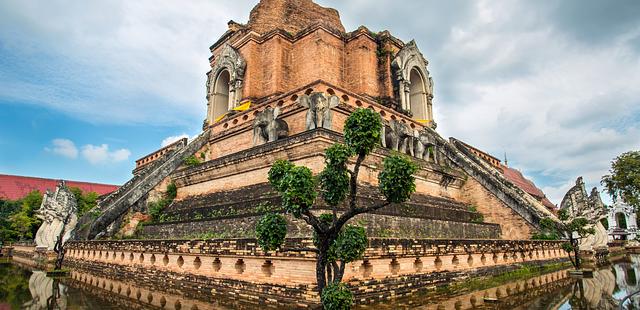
{"x": 281, "y": 87}
{"x": 292, "y": 16}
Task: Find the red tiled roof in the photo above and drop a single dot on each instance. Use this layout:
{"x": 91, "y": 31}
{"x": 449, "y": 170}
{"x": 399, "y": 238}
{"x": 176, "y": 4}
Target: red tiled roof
{"x": 516, "y": 177}
{"x": 14, "y": 187}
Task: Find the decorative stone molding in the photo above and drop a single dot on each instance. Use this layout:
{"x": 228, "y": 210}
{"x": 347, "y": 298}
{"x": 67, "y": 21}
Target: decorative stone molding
{"x": 231, "y": 60}
{"x": 407, "y": 59}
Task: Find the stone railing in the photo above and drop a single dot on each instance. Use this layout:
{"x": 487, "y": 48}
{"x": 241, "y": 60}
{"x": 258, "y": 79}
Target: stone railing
{"x": 127, "y": 195}
{"x": 242, "y": 259}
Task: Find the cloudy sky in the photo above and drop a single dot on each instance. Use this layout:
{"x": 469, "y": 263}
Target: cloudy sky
{"x": 87, "y": 87}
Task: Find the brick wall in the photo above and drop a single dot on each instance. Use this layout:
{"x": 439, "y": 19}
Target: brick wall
{"x": 237, "y": 266}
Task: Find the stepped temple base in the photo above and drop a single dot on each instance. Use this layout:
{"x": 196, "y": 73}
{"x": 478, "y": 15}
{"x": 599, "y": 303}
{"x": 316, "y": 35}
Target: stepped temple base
{"x": 238, "y": 269}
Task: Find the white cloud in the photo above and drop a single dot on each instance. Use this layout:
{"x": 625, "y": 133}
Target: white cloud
{"x": 101, "y": 155}
{"x": 64, "y": 147}
{"x": 171, "y": 139}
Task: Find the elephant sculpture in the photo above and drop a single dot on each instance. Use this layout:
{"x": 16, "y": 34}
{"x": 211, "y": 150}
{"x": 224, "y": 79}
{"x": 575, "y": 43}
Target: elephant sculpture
{"x": 319, "y": 113}
{"x": 268, "y": 128}
{"x": 425, "y": 146}
{"x": 398, "y": 137}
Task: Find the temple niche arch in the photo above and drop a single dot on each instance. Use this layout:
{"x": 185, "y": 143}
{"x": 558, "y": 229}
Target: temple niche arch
{"x": 418, "y": 96}
{"x": 224, "y": 82}
{"x": 220, "y": 96}
{"x": 621, "y": 220}
{"x": 413, "y": 85}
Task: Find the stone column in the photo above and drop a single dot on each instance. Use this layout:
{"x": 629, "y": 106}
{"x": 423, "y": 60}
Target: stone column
{"x": 232, "y": 95}
{"x": 631, "y": 225}
{"x": 407, "y": 95}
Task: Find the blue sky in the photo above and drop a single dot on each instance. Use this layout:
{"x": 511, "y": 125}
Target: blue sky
{"x": 87, "y": 87}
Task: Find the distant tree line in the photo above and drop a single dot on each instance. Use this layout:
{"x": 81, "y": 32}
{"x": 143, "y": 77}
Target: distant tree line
{"x": 18, "y": 220}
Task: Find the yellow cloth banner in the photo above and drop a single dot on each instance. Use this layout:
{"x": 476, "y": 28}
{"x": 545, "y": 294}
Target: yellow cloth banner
{"x": 220, "y": 117}
{"x": 243, "y": 107}
{"x": 424, "y": 121}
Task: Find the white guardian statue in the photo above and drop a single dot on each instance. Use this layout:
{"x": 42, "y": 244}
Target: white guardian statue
{"x": 59, "y": 214}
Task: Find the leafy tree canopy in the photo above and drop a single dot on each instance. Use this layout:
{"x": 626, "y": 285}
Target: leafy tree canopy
{"x": 624, "y": 178}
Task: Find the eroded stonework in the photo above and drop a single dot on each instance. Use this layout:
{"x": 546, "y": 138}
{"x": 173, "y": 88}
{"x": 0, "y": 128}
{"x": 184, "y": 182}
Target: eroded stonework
{"x": 579, "y": 204}
{"x": 58, "y": 212}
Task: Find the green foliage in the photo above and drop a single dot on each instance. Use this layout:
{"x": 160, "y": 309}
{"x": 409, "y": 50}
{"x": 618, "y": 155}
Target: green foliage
{"x": 192, "y": 161}
{"x": 155, "y": 209}
{"x": 277, "y": 173}
{"x": 299, "y": 190}
{"x": 563, "y": 215}
{"x": 567, "y": 247}
{"x": 86, "y": 201}
{"x": 7, "y": 209}
{"x": 351, "y": 243}
{"x": 396, "y": 181}
{"x": 172, "y": 191}
{"x": 24, "y": 222}
{"x": 578, "y": 225}
{"x": 624, "y": 178}
{"x": 362, "y": 131}
{"x": 548, "y": 230}
{"x": 336, "y": 297}
{"x": 334, "y": 179}
{"x": 271, "y": 230}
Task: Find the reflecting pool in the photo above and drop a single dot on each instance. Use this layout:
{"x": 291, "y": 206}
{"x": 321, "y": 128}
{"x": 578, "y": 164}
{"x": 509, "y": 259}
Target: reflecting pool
{"x": 25, "y": 288}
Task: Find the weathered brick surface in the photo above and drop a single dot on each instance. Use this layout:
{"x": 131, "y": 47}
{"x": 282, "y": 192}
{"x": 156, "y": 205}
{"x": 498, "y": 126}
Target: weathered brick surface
{"x": 236, "y": 267}
{"x": 291, "y": 16}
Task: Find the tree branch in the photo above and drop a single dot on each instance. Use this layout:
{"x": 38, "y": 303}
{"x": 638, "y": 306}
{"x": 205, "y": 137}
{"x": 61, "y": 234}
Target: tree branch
{"x": 353, "y": 183}
{"x": 313, "y": 221}
{"x": 345, "y": 217}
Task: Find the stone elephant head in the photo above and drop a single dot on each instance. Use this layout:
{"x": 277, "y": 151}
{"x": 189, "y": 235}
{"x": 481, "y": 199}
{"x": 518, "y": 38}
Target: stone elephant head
{"x": 425, "y": 145}
{"x": 268, "y": 128}
{"x": 398, "y": 137}
{"x": 319, "y": 113}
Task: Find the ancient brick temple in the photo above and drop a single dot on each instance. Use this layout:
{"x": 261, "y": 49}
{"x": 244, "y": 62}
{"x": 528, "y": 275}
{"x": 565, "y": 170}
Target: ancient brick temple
{"x": 281, "y": 87}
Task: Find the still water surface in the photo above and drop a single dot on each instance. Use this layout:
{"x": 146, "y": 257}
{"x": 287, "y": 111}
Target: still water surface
{"x": 26, "y": 288}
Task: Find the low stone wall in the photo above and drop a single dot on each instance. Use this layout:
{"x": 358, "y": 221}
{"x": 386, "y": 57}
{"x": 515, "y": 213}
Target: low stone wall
{"x": 237, "y": 267}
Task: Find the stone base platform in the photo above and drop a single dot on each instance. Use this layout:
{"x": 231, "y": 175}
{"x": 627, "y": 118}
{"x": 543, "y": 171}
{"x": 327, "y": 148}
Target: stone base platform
{"x": 238, "y": 269}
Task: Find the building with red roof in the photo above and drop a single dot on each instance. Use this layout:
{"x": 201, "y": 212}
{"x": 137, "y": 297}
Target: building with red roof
{"x": 13, "y": 187}
{"x": 514, "y": 176}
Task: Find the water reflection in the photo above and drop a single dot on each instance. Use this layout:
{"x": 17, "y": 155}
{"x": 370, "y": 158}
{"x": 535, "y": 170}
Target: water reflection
{"x": 46, "y": 292}
{"x": 24, "y": 289}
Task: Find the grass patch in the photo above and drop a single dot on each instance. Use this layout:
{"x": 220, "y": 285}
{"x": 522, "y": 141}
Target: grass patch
{"x": 477, "y": 284}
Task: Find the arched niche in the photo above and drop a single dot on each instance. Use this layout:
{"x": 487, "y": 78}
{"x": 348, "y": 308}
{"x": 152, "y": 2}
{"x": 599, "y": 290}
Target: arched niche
{"x": 225, "y": 80}
{"x": 418, "y": 95}
{"x": 412, "y": 84}
{"x": 621, "y": 220}
{"x": 220, "y": 97}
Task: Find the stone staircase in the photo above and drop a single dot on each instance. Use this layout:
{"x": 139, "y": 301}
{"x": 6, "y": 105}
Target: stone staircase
{"x": 113, "y": 206}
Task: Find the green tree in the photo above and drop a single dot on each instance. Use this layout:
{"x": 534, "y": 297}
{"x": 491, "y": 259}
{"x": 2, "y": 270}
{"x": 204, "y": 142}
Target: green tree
{"x": 623, "y": 182}
{"x": 86, "y": 201}
{"x": 24, "y": 222}
{"x": 336, "y": 243}
{"x": 7, "y": 209}
{"x": 570, "y": 229}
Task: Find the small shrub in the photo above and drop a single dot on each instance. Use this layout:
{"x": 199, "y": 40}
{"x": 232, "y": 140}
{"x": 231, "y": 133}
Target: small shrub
{"x": 191, "y": 161}
{"x": 336, "y": 297}
{"x": 271, "y": 230}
